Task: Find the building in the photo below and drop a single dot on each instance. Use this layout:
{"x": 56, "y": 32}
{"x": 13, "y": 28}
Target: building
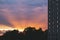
{"x": 54, "y": 20}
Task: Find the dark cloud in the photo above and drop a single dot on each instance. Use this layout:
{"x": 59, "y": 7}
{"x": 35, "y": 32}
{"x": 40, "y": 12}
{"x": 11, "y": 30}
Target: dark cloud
{"x": 7, "y": 1}
{"x": 4, "y": 21}
{"x": 36, "y": 2}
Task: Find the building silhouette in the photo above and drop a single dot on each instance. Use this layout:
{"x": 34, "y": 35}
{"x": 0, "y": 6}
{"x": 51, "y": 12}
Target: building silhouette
{"x": 54, "y": 20}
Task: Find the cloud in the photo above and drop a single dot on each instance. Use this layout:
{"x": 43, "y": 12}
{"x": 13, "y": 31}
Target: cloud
{"x": 36, "y": 2}
{"x": 4, "y": 21}
{"x": 7, "y": 1}
{"x": 23, "y": 13}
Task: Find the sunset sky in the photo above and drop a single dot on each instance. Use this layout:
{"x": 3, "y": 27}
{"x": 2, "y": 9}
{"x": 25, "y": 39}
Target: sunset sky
{"x": 24, "y": 13}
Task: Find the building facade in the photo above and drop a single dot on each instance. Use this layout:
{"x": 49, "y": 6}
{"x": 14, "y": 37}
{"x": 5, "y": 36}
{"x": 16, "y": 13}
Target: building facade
{"x": 54, "y": 19}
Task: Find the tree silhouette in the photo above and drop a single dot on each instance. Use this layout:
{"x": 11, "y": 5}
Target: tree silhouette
{"x": 30, "y": 33}
{"x": 11, "y": 35}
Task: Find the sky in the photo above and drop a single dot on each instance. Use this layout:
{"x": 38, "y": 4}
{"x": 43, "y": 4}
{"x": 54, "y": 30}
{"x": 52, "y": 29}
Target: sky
{"x": 24, "y": 13}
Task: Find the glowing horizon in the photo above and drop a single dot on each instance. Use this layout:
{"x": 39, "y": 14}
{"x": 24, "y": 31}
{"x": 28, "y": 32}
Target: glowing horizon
{"x": 7, "y": 28}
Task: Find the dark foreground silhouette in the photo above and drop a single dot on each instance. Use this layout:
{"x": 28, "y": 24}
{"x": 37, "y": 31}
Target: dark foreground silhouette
{"x": 28, "y": 34}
